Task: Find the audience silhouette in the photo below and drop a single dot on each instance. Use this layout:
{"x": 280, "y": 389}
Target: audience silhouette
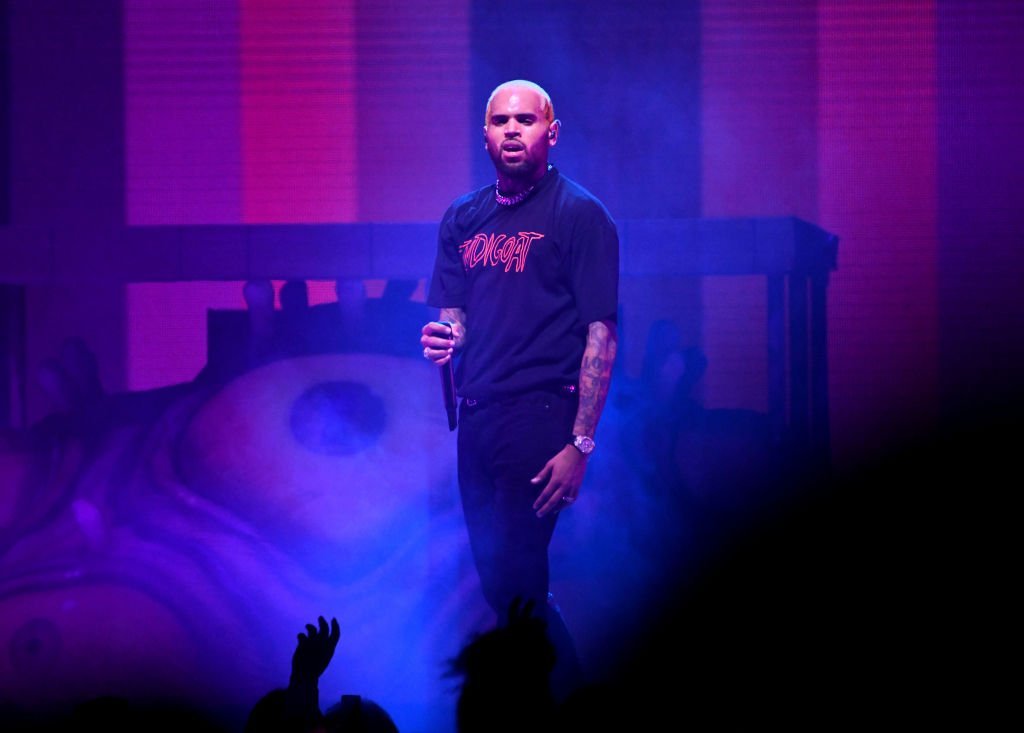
{"x": 357, "y": 714}
{"x": 116, "y": 714}
{"x": 506, "y": 676}
{"x": 296, "y": 708}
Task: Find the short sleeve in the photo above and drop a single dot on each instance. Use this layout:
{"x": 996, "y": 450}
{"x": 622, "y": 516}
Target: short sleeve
{"x": 448, "y": 282}
{"x": 595, "y": 263}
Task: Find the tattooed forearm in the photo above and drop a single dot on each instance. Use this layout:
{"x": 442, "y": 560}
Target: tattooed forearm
{"x": 457, "y": 317}
{"x": 595, "y": 375}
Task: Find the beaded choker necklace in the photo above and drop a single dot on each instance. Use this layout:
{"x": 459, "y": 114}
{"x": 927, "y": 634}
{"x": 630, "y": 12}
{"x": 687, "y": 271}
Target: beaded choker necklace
{"x": 514, "y": 198}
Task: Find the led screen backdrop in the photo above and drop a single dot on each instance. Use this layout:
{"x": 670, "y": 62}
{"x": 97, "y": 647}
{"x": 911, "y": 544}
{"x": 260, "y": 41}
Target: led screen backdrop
{"x": 859, "y": 117}
{"x": 276, "y": 111}
{"x": 894, "y": 125}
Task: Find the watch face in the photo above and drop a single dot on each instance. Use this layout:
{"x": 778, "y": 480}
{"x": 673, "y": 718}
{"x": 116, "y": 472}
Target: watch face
{"x": 584, "y": 444}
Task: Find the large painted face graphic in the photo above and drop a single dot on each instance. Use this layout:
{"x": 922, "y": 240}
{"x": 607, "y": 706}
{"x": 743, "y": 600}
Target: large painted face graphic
{"x": 175, "y": 542}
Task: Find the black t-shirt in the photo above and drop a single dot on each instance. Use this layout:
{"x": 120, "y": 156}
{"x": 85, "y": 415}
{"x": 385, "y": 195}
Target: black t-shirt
{"x": 530, "y": 278}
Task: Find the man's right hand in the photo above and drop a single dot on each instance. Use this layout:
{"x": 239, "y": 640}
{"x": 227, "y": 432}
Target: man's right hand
{"x": 438, "y": 341}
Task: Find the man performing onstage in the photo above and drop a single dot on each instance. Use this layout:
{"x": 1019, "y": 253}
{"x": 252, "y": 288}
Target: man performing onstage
{"x": 527, "y": 275}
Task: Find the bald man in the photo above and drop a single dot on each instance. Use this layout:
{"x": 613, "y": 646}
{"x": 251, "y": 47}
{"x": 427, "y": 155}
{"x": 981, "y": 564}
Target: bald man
{"x": 526, "y": 274}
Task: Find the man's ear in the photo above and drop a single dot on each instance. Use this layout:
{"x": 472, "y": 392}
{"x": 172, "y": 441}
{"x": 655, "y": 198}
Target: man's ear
{"x": 553, "y": 129}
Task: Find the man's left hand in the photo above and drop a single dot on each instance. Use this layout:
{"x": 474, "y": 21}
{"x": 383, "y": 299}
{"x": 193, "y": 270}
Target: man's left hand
{"x": 562, "y": 477}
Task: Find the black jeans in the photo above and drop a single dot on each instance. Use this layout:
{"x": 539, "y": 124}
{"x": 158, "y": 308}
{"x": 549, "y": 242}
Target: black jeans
{"x": 501, "y": 446}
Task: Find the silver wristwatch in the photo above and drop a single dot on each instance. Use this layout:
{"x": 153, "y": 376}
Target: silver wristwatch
{"x": 583, "y": 443}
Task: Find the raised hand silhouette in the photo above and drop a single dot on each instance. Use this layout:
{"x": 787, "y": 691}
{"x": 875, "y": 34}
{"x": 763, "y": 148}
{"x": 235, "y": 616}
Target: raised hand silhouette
{"x": 313, "y": 652}
{"x": 296, "y": 709}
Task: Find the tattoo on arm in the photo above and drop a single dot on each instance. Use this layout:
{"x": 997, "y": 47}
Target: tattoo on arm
{"x": 595, "y": 375}
{"x": 457, "y": 317}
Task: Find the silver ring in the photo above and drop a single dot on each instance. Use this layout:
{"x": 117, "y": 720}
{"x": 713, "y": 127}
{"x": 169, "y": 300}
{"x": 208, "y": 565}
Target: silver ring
{"x": 568, "y": 499}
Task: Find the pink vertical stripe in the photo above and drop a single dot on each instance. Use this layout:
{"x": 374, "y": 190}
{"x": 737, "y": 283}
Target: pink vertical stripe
{"x": 877, "y": 191}
{"x": 299, "y": 111}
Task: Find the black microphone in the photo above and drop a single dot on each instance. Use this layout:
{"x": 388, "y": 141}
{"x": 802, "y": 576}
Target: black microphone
{"x": 448, "y": 386}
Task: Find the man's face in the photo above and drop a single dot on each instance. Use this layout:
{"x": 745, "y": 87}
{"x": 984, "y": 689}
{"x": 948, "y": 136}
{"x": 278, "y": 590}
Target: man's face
{"x": 517, "y": 133}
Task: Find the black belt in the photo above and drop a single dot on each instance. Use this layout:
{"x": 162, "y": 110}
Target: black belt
{"x": 562, "y": 390}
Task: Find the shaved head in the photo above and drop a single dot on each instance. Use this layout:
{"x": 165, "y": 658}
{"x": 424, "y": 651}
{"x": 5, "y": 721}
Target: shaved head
{"x": 547, "y": 108}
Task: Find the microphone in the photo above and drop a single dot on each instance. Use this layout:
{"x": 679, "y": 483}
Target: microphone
{"x": 448, "y": 387}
